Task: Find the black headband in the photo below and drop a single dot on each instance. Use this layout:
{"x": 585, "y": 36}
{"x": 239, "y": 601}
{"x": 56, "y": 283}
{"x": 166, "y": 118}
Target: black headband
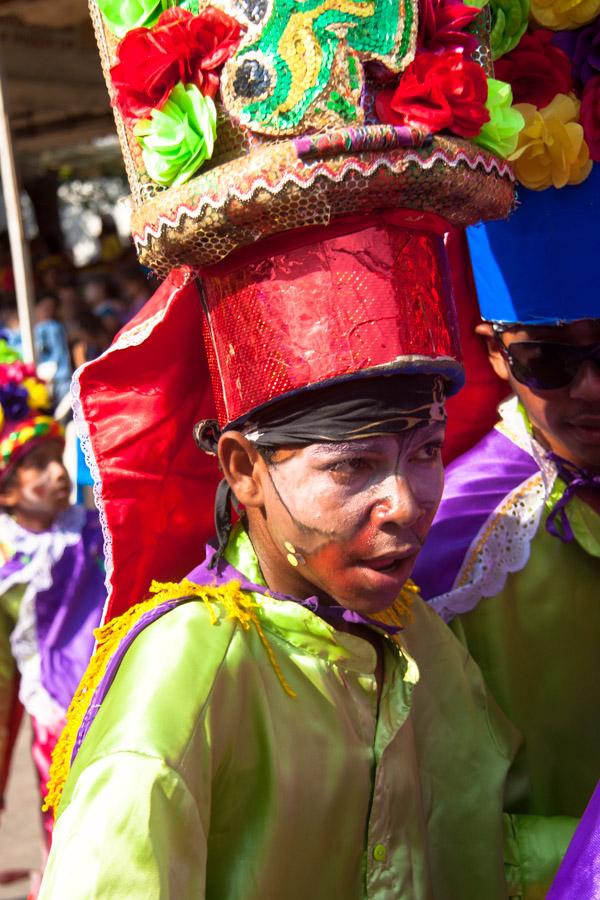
{"x": 345, "y": 411}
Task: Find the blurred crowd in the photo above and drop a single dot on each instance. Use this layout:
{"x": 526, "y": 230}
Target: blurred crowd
{"x": 78, "y": 311}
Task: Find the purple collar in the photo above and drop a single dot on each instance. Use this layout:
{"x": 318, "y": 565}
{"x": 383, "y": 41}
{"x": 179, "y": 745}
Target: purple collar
{"x": 223, "y": 572}
{"x": 575, "y": 479}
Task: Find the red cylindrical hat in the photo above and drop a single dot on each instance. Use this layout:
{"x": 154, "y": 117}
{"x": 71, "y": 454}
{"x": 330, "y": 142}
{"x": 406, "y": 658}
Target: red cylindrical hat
{"x": 370, "y": 295}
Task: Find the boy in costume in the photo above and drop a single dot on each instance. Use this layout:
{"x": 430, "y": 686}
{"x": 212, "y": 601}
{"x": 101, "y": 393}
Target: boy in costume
{"x": 513, "y": 558}
{"x": 51, "y": 570}
{"x": 289, "y": 719}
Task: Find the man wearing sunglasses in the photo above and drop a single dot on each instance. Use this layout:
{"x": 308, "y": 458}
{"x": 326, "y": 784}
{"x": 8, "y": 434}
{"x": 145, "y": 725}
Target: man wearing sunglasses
{"x": 513, "y": 559}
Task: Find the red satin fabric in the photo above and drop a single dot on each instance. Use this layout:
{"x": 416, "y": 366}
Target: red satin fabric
{"x": 365, "y": 293}
{"x": 471, "y": 412}
{"x": 141, "y": 404}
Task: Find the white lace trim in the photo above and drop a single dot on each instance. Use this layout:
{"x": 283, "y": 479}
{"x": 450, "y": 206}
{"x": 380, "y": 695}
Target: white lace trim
{"x": 502, "y": 544}
{"x": 45, "y": 549}
{"x": 132, "y": 337}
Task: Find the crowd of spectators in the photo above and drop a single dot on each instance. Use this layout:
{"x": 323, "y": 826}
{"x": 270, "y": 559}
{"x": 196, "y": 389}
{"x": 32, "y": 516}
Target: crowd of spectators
{"x": 77, "y": 311}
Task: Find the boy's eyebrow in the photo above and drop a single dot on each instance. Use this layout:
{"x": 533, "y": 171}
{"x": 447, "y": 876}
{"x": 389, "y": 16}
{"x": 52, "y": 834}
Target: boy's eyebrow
{"x": 342, "y": 447}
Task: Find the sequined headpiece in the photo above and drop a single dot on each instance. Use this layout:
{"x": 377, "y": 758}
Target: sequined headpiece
{"x": 24, "y": 406}
{"x": 245, "y": 118}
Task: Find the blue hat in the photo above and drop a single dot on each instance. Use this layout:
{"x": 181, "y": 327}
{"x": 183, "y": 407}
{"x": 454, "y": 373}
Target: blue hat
{"x": 539, "y": 266}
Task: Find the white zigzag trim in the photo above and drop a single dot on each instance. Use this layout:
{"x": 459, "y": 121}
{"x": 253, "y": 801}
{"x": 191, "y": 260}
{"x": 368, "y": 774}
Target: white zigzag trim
{"x": 488, "y": 163}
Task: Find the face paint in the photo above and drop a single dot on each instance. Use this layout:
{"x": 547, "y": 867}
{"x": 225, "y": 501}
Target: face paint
{"x": 42, "y": 486}
{"x": 356, "y": 513}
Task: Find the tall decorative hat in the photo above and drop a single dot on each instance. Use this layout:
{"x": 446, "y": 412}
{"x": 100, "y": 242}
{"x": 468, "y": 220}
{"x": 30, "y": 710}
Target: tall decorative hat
{"x": 536, "y": 268}
{"x": 25, "y": 419}
{"x": 306, "y": 160}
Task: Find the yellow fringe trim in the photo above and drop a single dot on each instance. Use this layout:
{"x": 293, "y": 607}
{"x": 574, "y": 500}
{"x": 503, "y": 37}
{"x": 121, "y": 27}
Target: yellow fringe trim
{"x": 400, "y": 612}
{"x": 236, "y": 604}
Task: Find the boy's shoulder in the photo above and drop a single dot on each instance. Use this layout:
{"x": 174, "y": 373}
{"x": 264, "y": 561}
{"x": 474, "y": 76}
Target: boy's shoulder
{"x": 152, "y": 675}
{"x": 452, "y": 688}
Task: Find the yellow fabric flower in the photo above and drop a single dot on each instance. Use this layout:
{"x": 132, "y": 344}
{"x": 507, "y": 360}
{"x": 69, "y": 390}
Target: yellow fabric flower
{"x": 1, "y": 418}
{"x": 38, "y": 393}
{"x": 551, "y": 149}
{"x": 558, "y": 14}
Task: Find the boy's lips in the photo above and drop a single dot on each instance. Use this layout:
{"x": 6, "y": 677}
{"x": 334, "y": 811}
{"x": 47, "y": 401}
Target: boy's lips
{"x": 390, "y": 561}
{"x": 587, "y": 428}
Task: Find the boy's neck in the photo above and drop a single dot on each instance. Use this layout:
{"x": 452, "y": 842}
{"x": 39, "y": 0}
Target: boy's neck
{"x": 35, "y": 522}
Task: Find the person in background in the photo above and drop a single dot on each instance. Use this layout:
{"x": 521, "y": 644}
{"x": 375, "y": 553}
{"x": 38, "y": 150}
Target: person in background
{"x": 513, "y": 557}
{"x": 88, "y": 337}
{"x": 100, "y": 295}
{"x": 51, "y": 570}
{"x": 52, "y": 346}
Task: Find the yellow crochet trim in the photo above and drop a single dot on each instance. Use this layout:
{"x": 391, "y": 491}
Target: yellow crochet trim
{"x": 400, "y": 612}
{"x": 235, "y": 603}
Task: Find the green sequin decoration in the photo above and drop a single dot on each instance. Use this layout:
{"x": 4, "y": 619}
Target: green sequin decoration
{"x": 308, "y": 50}
{"x": 341, "y": 106}
{"x": 353, "y": 74}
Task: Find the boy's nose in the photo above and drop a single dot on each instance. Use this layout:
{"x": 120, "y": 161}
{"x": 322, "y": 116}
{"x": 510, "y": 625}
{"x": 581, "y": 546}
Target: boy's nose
{"x": 586, "y": 385}
{"x": 398, "y": 505}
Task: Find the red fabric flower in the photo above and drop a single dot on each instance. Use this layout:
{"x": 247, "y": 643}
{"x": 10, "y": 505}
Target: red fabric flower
{"x": 438, "y": 92}
{"x": 442, "y": 25}
{"x": 590, "y": 116}
{"x": 536, "y": 70}
{"x": 181, "y": 47}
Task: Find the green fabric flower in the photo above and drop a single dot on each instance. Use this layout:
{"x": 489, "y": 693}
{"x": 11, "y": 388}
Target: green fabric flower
{"x": 479, "y": 4}
{"x": 179, "y": 137}
{"x": 501, "y": 133}
{"x": 123, "y": 15}
{"x": 509, "y": 24}
{"x": 7, "y": 354}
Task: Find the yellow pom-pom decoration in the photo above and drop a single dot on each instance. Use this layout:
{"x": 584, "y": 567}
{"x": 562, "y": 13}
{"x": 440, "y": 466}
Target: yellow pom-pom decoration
{"x": 551, "y": 149}
{"x": 39, "y": 397}
{"x": 26, "y": 434}
{"x": 1, "y": 418}
{"x": 559, "y": 14}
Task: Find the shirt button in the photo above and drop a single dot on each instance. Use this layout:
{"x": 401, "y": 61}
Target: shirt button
{"x": 379, "y": 852}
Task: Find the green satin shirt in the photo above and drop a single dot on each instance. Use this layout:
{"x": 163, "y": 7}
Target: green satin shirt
{"x": 200, "y": 777}
{"x": 538, "y": 645}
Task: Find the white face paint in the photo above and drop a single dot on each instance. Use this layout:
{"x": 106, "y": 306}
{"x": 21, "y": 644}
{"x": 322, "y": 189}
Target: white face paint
{"x": 357, "y": 513}
{"x": 42, "y": 486}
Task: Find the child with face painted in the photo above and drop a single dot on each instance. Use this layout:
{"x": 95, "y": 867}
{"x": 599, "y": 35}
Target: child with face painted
{"x": 290, "y": 720}
{"x": 287, "y": 719}
{"x": 513, "y": 558}
{"x": 51, "y": 573}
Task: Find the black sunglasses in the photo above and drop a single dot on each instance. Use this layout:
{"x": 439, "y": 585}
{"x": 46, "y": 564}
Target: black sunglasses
{"x": 544, "y": 365}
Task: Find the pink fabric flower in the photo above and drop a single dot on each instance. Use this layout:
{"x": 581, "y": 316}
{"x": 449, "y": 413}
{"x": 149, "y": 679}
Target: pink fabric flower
{"x": 590, "y": 116}
{"x": 443, "y": 24}
{"x": 16, "y": 372}
{"x": 536, "y": 69}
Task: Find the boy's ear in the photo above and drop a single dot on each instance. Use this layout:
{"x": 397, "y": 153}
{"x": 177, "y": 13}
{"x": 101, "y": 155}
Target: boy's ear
{"x": 495, "y": 355}
{"x": 242, "y": 467}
